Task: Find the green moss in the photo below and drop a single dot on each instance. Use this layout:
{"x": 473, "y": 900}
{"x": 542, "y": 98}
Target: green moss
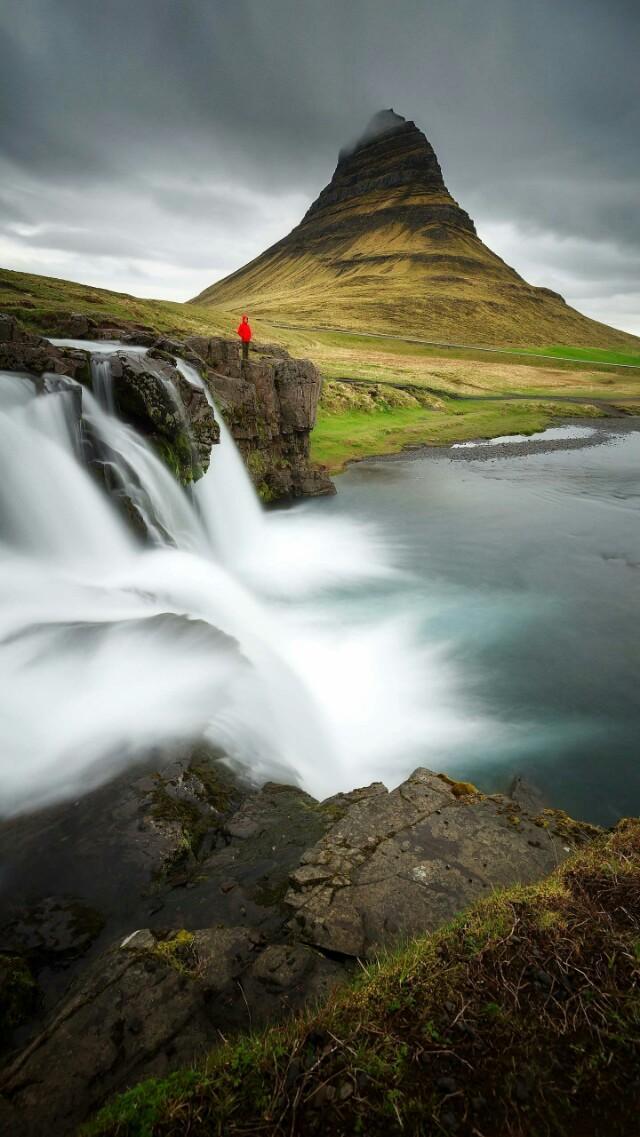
{"x": 260, "y": 468}
{"x": 177, "y": 455}
{"x": 216, "y": 792}
{"x": 179, "y": 951}
{"x": 520, "y": 1017}
{"x": 18, "y": 993}
{"x": 213, "y": 794}
{"x": 565, "y": 826}
{"x": 460, "y": 789}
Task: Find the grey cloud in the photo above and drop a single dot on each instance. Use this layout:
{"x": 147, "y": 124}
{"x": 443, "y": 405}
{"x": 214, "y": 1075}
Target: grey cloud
{"x": 533, "y": 109}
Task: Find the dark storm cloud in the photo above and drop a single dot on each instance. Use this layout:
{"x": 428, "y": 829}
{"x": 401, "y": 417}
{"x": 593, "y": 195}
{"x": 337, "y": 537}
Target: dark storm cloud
{"x": 223, "y": 119}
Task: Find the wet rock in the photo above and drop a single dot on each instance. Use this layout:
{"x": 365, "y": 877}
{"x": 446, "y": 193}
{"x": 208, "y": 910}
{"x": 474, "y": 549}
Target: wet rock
{"x": 22, "y": 351}
{"x": 526, "y": 795}
{"x": 133, "y": 1013}
{"x": 146, "y": 1007}
{"x": 54, "y": 931}
{"x": 182, "y": 427}
{"x": 403, "y": 863}
{"x": 18, "y": 995}
{"x": 141, "y": 940}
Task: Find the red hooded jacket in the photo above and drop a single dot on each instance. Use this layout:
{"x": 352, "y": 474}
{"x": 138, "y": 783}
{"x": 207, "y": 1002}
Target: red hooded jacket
{"x": 244, "y": 330}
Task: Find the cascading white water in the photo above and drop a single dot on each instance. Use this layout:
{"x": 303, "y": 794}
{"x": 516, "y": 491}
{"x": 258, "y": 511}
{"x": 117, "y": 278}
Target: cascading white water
{"x": 239, "y": 626}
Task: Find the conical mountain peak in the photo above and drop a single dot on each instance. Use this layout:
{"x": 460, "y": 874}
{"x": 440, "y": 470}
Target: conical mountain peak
{"x": 386, "y": 248}
{"x": 382, "y": 122}
{"x": 391, "y": 166}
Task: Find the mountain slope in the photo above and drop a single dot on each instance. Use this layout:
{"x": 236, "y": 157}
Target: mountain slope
{"x": 386, "y": 248}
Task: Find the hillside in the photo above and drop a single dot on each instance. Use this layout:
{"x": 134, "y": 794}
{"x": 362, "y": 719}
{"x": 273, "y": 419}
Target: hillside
{"x": 386, "y": 248}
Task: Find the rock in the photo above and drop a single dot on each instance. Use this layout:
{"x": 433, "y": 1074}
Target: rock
{"x": 54, "y": 931}
{"x": 269, "y": 406}
{"x": 133, "y": 1013}
{"x": 21, "y": 351}
{"x": 283, "y": 893}
{"x": 403, "y": 863}
{"x": 142, "y": 940}
{"x": 526, "y": 795}
{"x": 146, "y": 1007}
{"x": 18, "y": 995}
{"x": 182, "y": 429}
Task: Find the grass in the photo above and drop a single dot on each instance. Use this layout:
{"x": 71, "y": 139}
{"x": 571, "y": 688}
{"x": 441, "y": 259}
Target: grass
{"x": 37, "y": 300}
{"x": 349, "y": 435}
{"x": 520, "y": 1018}
{"x": 425, "y": 378}
{"x": 592, "y": 354}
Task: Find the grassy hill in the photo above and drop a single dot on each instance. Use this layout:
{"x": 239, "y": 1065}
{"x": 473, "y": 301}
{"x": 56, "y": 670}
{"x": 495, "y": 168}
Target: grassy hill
{"x": 385, "y": 248}
{"x": 400, "y": 393}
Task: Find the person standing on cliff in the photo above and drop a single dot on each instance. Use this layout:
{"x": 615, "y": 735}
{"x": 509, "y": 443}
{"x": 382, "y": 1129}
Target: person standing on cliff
{"x": 244, "y": 331}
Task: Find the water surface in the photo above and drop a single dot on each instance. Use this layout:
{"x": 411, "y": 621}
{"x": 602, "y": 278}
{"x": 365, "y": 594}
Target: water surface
{"x": 526, "y": 572}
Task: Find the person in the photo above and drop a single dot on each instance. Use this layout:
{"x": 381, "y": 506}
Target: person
{"x": 244, "y": 331}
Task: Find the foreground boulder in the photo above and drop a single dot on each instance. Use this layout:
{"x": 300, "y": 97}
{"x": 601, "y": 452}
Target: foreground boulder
{"x": 196, "y": 905}
{"x": 403, "y": 863}
{"x": 518, "y": 1019}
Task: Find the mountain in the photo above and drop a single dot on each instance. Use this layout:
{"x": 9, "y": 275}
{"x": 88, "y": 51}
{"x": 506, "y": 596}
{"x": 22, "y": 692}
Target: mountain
{"x": 386, "y": 248}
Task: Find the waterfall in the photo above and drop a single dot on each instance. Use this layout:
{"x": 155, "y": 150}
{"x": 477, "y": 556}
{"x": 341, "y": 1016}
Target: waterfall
{"x": 229, "y": 623}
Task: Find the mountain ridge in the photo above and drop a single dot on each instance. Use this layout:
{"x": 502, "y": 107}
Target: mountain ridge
{"x": 385, "y": 247}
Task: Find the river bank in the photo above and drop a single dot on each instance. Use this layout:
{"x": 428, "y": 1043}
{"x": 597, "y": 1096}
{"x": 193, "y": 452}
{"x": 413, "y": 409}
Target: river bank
{"x": 357, "y": 421}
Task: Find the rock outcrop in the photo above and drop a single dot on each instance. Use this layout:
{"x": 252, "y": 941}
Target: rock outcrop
{"x": 151, "y": 394}
{"x": 402, "y": 863}
{"x": 23, "y": 351}
{"x": 269, "y": 405}
{"x": 196, "y": 904}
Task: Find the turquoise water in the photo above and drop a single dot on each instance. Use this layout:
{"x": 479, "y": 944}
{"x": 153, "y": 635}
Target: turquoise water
{"x": 526, "y": 572}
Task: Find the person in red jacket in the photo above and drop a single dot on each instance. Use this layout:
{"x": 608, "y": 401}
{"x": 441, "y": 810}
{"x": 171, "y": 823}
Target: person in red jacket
{"x": 244, "y": 331}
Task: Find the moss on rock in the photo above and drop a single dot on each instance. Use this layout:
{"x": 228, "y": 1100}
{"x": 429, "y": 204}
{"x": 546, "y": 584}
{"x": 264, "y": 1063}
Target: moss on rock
{"x": 459, "y": 789}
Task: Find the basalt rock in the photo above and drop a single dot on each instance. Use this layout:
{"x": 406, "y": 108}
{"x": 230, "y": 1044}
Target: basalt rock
{"x": 269, "y": 405}
{"x": 203, "y": 905}
{"x": 22, "y": 351}
{"x": 152, "y": 395}
{"x": 400, "y": 864}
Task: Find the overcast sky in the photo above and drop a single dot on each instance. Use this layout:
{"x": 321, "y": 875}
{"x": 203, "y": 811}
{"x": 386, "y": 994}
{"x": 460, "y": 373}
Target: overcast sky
{"x": 153, "y": 146}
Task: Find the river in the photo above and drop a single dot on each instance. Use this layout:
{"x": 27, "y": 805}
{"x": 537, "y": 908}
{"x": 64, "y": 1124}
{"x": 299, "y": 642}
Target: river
{"x": 524, "y": 571}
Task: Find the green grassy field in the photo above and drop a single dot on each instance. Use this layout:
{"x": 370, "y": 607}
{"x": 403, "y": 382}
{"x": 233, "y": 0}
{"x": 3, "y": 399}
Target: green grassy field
{"x": 424, "y": 378}
{"x": 350, "y": 435}
{"x": 591, "y": 354}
